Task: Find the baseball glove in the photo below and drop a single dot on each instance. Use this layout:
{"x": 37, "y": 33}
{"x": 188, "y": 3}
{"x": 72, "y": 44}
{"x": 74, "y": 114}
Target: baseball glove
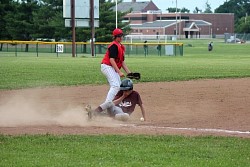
{"x": 134, "y": 75}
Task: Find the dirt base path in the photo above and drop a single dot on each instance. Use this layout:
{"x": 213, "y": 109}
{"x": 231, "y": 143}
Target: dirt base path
{"x": 201, "y": 107}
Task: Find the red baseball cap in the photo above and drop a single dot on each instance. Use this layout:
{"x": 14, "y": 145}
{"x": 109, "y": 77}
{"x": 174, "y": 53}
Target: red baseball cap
{"x": 117, "y": 32}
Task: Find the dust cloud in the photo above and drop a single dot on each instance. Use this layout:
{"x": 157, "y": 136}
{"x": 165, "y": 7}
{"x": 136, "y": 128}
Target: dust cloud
{"x": 32, "y": 110}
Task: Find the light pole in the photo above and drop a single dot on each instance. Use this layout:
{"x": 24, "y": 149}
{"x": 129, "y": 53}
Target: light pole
{"x": 115, "y": 13}
{"x": 161, "y": 24}
{"x": 176, "y": 28}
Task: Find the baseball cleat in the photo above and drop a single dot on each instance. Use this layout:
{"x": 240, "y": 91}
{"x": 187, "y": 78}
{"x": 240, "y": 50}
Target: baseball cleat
{"x": 89, "y": 111}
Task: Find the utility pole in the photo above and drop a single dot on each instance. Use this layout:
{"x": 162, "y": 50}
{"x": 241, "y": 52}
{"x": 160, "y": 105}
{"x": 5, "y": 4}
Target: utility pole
{"x": 73, "y": 27}
{"x": 92, "y": 25}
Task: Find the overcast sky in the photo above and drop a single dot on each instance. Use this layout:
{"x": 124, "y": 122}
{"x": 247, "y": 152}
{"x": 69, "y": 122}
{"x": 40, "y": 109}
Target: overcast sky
{"x": 189, "y": 4}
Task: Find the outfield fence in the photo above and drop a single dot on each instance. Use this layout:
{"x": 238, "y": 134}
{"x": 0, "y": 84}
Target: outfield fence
{"x": 237, "y": 38}
{"x": 84, "y": 48}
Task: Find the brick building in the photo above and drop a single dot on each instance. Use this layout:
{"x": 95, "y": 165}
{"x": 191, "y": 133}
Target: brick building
{"x": 146, "y": 18}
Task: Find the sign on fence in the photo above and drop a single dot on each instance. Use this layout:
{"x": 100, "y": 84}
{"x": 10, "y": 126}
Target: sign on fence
{"x": 59, "y": 48}
{"x": 169, "y": 50}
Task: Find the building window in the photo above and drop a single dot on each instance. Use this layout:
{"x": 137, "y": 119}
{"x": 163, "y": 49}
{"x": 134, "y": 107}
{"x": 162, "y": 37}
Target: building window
{"x": 153, "y": 30}
{"x": 140, "y": 30}
{"x": 138, "y": 18}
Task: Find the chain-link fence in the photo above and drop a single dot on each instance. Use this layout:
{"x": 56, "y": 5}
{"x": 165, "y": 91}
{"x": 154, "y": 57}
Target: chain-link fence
{"x": 84, "y": 48}
{"x": 237, "y": 38}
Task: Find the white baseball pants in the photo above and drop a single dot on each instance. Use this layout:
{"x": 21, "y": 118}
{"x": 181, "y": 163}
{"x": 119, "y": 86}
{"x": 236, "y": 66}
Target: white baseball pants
{"x": 113, "y": 79}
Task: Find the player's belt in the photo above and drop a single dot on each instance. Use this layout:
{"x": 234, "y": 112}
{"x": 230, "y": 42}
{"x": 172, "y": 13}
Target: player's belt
{"x": 106, "y": 64}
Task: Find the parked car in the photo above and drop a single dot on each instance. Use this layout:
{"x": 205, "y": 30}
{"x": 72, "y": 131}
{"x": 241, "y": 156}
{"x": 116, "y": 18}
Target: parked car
{"x": 236, "y": 40}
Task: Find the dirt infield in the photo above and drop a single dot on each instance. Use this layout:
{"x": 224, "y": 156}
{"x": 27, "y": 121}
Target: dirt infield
{"x": 201, "y": 107}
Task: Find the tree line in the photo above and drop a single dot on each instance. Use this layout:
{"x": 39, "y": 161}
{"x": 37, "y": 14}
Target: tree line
{"x": 241, "y": 10}
{"x": 32, "y": 19}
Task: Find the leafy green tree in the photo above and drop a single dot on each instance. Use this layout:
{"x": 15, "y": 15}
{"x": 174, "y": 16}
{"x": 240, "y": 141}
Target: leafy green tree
{"x": 238, "y": 7}
{"x": 107, "y": 23}
{"x": 20, "y": 20}
{"x": 60, "y": 31}
{"x": 31, "y": 19}
{"x": 185, "y": 10}
{"x": 5, "y": 5}
{"x": 197, "y": 10}
{"x": 41, "y": 19}
{"x": 20, "y": 24}
{"x": 173, "y": 10}
{"x": 49, "y": 22}
{"x": 244, "y": 25}
{"x": 208, "y": 8}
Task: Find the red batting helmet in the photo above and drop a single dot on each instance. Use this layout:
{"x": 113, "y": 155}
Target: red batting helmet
{"x": 117, "y": 32}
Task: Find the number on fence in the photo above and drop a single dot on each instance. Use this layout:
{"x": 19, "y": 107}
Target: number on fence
{"x": 59, "y": 48}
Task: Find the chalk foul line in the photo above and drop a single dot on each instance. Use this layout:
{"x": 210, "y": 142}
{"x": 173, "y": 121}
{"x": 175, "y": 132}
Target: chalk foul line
{"x": 188, "y": 129}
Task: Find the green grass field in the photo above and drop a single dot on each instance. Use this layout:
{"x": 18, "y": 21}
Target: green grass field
{"x": 28, "y": 70}
{"x": 125, "y": 151}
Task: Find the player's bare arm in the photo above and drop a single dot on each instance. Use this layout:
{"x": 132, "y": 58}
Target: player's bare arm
{"x": 112, "y": 61}
{"x": 125, "y": 67}
{"x": 143, "y": 112}
{"x": 119, "y": 100}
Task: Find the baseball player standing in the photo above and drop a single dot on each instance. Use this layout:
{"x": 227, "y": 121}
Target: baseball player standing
{"x": 112, "y": 63}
